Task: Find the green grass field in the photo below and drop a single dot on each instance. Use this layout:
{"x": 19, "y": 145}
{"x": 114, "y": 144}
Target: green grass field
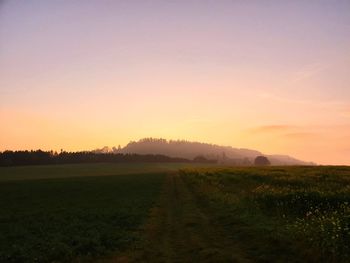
{"x": 94, "y": 169}
{"x": 64, "y": 212}
{"x": 62, "y": 219}
{"x": 174, "y": 213}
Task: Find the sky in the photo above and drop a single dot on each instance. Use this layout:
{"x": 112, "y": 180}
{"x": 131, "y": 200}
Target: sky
{"x": 267, "y": 75}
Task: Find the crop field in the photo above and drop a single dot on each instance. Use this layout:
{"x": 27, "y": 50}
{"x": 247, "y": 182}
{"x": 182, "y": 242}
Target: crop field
{"x": 62, "y": 219}
{"x": 279, "y": 214}
{"x": 174, "y": 213}
{"x": 93, "y": 169}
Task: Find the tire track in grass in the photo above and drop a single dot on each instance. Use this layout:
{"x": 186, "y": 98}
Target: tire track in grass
{"x": 178, "y": 231}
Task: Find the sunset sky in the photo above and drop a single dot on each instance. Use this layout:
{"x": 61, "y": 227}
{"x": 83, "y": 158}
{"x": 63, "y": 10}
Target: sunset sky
{"x": 267, "y": 75}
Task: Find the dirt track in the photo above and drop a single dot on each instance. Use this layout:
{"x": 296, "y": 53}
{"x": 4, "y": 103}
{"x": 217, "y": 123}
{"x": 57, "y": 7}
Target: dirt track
{"x": 179, "y": 231}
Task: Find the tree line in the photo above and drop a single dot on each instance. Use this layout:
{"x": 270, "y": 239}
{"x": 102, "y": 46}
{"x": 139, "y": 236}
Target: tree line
{"x": 184, "y": 149}
{"x": 39, "y": 157}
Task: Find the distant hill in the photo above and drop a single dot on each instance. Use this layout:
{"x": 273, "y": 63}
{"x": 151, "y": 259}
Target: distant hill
{"x": 190, "y": 150}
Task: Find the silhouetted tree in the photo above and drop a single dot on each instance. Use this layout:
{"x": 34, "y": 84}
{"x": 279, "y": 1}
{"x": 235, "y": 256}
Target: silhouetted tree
{"x": 261, "y": 161}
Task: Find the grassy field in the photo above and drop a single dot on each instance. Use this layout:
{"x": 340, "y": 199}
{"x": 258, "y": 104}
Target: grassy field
{"x": 62, "y": 219}
{"x": 108, "y": 213}
{"x": 74, "y": 170}
{"x": 64, "y": 212}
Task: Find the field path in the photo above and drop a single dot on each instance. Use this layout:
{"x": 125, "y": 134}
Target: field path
{"x": 178, "y": 231}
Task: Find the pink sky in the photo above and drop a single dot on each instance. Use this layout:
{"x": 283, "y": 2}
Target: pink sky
{"x": 270, "y": 76}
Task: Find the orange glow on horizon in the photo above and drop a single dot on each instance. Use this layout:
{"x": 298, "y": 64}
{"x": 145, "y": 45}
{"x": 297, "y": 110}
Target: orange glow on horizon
{"x": 271, "y": 78}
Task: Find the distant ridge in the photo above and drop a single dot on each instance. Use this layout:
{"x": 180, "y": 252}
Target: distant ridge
{"x": 190, "y": 150}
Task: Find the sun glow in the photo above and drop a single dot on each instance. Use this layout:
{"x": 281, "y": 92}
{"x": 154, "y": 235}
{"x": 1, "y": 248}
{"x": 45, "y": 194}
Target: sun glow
{"x": 81, "y": 77}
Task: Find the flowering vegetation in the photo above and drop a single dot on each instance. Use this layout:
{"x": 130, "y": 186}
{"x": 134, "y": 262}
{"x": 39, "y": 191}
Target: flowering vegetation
{"x": 301, "y": 210}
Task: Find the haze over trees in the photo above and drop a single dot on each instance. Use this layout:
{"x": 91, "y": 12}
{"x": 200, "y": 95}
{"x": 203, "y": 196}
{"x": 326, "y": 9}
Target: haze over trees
{"x": 150, "y": 150}
{"x": 189, "y": 150}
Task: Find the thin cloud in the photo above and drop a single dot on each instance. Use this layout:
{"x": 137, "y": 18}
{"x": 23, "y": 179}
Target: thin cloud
{"x": 319, "y": 103}
{"x": 286, "y": 131}
{"x": 301, "y": 135}
{"x": 273, "y": 128}
{"x": 308, "y": 71}
{"x": 345, "y": 112}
